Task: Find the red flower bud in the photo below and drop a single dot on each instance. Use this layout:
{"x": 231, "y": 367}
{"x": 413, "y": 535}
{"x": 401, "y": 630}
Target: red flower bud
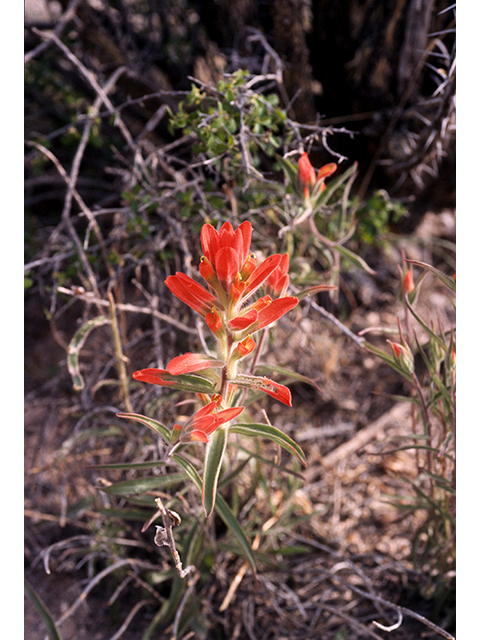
{"x": 408, "y": 285}
{"x": 306, "y": 173}
{"x": 403, "y": 356}
{"x": 308, "y": 181}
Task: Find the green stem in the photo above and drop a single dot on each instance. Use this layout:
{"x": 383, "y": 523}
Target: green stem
{"x": 426, "y": 419}
{"x": 122, "y": 370}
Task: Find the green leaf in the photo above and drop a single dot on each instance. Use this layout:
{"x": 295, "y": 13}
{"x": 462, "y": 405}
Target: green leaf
{"x": 187, "y": 382}
{"x": 290, "y": 169}
{"x": 156, "y": 426}
{"x": 42, "y": 610}
{"x": 388, "y": 359}
{"x": 189, "y": 469}
{"x": 83, "y": 436}
{"x": 315, "y": 289}
{"x": 263, "y": 460}
{"x": 229, "y": 519}
{"x": 288, "y": 373}
{"x": 272, "y": 433}
{"x": 75, "y": 346}
{"x": 126, "y": 466}
{"x": 350, "y": 255}
{"x": 449, "y": 282}
{"x": 212, "y": 466}
{"x": 221, "y": 508}
{"x": 430, "y": 332}
{"x": 142, "y": 485}
{"x": 126, "y": 514}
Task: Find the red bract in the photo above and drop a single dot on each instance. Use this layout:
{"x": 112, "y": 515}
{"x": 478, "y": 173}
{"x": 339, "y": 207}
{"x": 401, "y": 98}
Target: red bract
{"x": 308, "y": 181}
{"x": 153, "y": 376}
{"x": 244, "y": 348}
{"x": 263, "y": 315}
{"x": 192, "y": 293}
{"x": 191, "y": 362}
{"x": 205, "y": 422}
{"x": 275, "y": 310}
{"x": 215, "y": 323}
{"x": 260, "y": 274}
{"x": 325, "y": 171}
{"x": 403, "y": 356}
{"x": 277, "y": 391}
{"x": 277, "y": 282}
{"x": 243, "y": 322}
{"x": 306, "y": 174}
{"x": 206, "y": 383}
{"x": 408, "y": 285}
{"x": 239, "y": 241}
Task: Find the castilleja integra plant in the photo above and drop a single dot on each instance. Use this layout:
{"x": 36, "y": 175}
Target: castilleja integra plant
{"x": 240, "y": 298}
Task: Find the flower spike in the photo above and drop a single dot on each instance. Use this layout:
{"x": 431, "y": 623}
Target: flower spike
{"x": 234, "y": 310}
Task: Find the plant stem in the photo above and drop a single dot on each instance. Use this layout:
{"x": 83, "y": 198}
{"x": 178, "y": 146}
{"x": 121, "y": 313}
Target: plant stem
{"x": 122, "y": 371}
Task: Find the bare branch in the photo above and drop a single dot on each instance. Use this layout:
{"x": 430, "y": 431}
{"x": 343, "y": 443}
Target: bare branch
{"x": 164, "y": 537}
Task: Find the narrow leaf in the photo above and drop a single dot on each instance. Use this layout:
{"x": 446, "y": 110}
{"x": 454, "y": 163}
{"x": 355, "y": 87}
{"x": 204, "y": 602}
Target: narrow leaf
{"x": 288, "y": 374}
{"x": 156, "y": 426}
{"x": 76, "y": 345}
{"x": 126, "y": 466}
{"x": 44, "y": 613}
{"x": 357, "y": 260}
{"x": 272, "y": 433}
{"x": 185, "y": 382}
{"x": 229, "y": 519}
{"x": 316, "y": 289}
{"x": 430, "y": 332}
{"x": 142, "y": 485}
{"x": 189, "y": 469}
{"x": 213, "y": 462}
{"x": 221, "y": 507}
{"x": 449, "y": 282}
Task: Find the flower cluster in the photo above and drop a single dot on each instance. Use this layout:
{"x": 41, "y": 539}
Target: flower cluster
{"x": 234, "y": 313}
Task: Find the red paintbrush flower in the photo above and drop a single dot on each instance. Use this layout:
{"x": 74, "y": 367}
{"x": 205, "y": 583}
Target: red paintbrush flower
{"x": 308, "y": 182}
{"x": 228, "y": 267}
{"x": 260, "y": 274}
